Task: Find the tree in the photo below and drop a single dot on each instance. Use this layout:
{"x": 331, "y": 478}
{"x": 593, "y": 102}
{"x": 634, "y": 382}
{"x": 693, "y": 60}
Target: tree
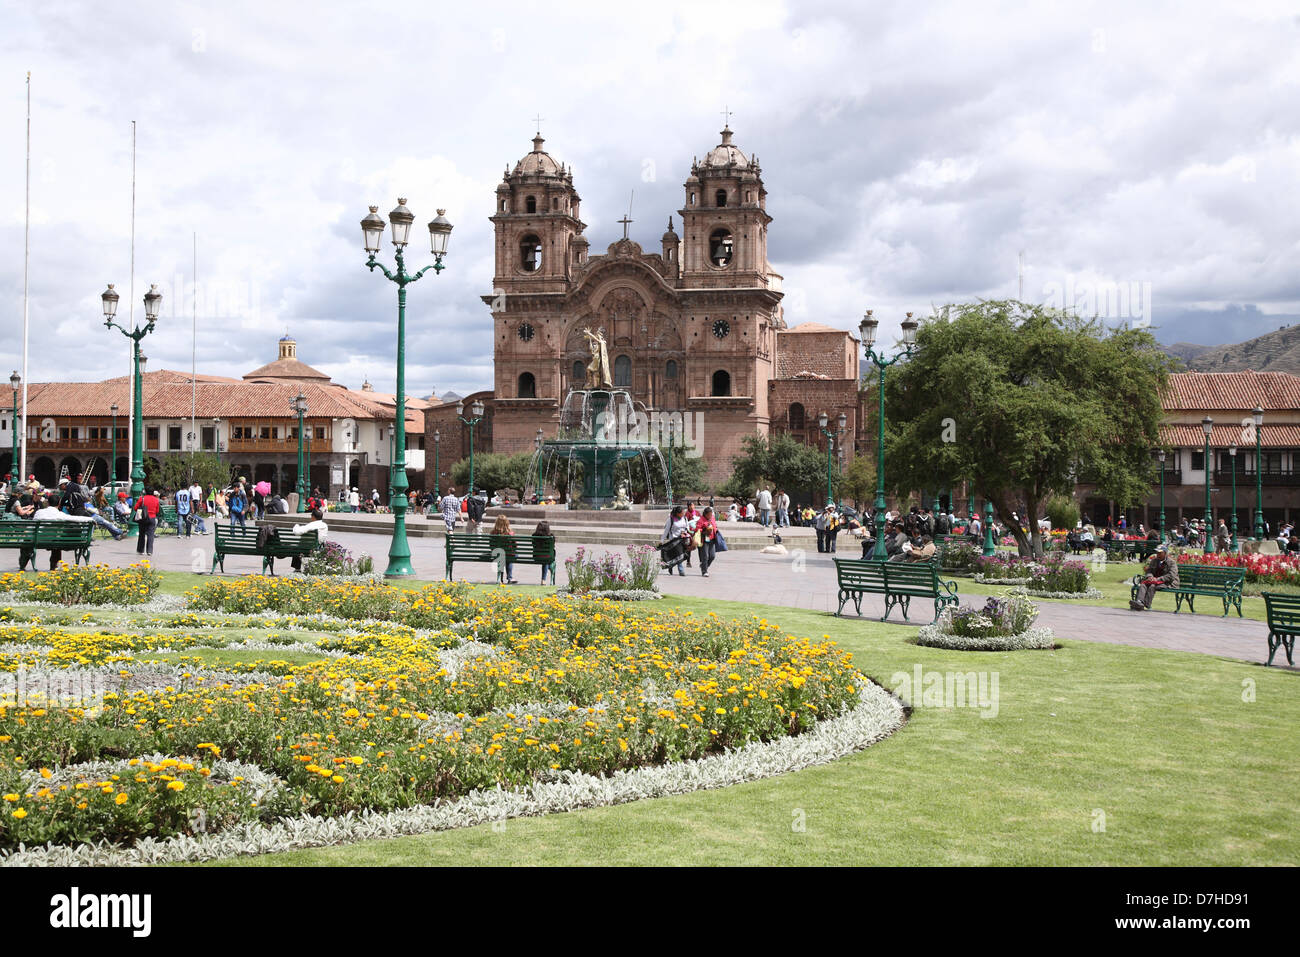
{"x": 173, "y": 471}
{"x": 496, "y": 471}
{"x": 780, "y": 462}
{"x": 1021, "y": 400}
{"x": 859, "y": 482}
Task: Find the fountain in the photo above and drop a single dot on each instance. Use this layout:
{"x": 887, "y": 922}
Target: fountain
{"x": 601, "y": 457}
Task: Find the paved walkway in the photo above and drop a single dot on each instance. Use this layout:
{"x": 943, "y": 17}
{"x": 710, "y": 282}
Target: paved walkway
{"x": 802, "y": 579}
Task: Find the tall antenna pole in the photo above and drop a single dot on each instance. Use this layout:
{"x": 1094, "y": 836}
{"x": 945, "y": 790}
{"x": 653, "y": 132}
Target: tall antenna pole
{"x": 130, "y": 442}
{"x": 27, "y": 226}
{"x": 1020, "y": 276}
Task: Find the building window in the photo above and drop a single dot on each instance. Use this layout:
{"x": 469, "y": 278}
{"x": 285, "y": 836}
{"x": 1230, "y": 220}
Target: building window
{"x": 1198, "y": 460}
{"x": 720, "y": 198}
{"x": 174, "y": 437}
{"x": 720, "y": 248}
{"x": 722, "y": 382}
{"x": 527, "y": 386}
{"x": 530, "y": 253}
{"x": 503, "y": 205}
{"x": 795, "y": 417}
{"x": 208, "y": 437}
{"x": 579, "y": 372}
{"x": 555, "y": 202}
{"x": 151, "y": 437}
{"x": 623, "y": 371}
{"x": 670, "y": 370}
{"x": 530, "y": 204}
{"x": 320, "y": 432}
{"x": 692, "y": 197}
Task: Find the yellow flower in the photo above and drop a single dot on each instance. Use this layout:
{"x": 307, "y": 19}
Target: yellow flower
{"x": 336, "y": 779}
{"x": 11, "y": 797}
{"x": 121, "y": 799}
{"x": 20, "y": 814}
{"x": 176, "y": 786}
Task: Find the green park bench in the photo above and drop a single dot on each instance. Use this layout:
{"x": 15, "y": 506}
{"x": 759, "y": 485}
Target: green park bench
{"x": 1120, "y": 550}
{"x": 899, "y": 582}
{"x": 49, "y": 536}
{"x": 1205, "y": 580}
{"x": 167, "y": 516}
{"x": 518, "y": 550}
{"x": 1283, "y": 624}
{"x": 243, "y": 541}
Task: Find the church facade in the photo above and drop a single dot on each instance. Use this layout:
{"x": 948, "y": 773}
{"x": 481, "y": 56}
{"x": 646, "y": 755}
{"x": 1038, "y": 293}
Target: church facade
{"x": 695, "y": 329}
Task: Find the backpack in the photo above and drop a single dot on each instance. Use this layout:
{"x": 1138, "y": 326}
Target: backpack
{"x": 266, "y": 534}
{"x": 475, "y": 509}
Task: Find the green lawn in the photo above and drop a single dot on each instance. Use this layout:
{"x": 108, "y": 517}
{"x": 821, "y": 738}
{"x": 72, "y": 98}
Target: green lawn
{"x": 1161, "y": 743}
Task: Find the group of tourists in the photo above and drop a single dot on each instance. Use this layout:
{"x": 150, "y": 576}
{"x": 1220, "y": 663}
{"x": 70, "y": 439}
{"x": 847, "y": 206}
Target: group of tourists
{"x": 688, "y": 532}
{"x": 469, "y": 509}
{"x": 71, "y": 501}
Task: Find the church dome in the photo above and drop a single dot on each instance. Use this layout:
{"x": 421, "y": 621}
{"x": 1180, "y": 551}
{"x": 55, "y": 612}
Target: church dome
{"x": 670, "y": 236}
{"x": 726, "y": 154}
{"x": 538, "y": 162}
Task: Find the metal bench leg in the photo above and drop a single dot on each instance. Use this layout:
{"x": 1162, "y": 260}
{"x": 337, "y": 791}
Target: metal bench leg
{"x": 890, "y": 602}
{"x": 843, "y": 596}
{"x": 906, "y": 601}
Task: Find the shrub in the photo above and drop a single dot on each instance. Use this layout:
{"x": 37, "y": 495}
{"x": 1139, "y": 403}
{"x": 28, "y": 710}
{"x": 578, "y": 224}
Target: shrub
{"x": 608, "y": 573}
{"x": 1003, "y": 624}
{"x": 960, "y": 556}
{"x": 86, "y": 584}
{"x": 1063, "y": 511}
{"x": 1055, "y": 573}
{"x": 331, "y": 558}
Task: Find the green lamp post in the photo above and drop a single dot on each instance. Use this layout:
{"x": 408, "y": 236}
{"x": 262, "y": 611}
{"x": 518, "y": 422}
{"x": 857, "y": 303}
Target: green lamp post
{"x": 298, "y": 405}
{"x": 152, "y": 300}
{"x": 538, "y": 443}
{"x": 822, "y": 420}
{"x": 1161, "y": 456}
{"x": 1232, "y": 458}
{"x": 989, "y": 547}
{"x": 476, "y": 410}
{"x": 1258, "y": 414}
{"x": 15, "y": 381}
{"x": 1207, "y": 426}
{"x": 437, "y": 486}
{"x": 868, "y": 328}
{"x": 671, "y": 430}
{"x": 372, "y": 230}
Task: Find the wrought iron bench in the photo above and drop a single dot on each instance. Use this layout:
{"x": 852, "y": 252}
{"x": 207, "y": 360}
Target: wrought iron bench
{"x": 243, "y": 541}
{"x": 899, "y": 582}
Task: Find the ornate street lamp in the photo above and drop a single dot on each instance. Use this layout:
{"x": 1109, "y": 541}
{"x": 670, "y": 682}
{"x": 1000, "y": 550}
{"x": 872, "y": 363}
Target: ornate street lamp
{"x": 298, "y": 405}
{"x": 1258, "y": 414}
{"x": 476, "y": 410}
{"x": 830, "y": 445}
{"x": 868, "y": 328}
{"x": 1232, "y": 457}
{"x": 539, "y": 466}
{"x": 1161, "y": 455}
{"x": 437, "y": 485}
{"x": 152, "y": 300}
{"x": 15, "y": 381}
{"x": 989, "y": 547}
{"x": 1207, "y": 426}
{"x": 672, "y": 428}
{"x": 372, "y": 230}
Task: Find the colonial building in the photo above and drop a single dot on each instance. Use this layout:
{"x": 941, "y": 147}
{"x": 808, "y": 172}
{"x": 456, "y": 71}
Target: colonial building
{"x": 69, "y": 426}
{"x": 694, "y": 329}
{"x": 1228, "y": 399}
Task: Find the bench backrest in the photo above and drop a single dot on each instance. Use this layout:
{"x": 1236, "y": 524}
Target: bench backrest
{"x": 525, "y": 548}
{"x": 241, "y": 538}
{"x": 1210, "y": 576}
{"x": 923, "y": 575}
{"x": 17, "y": 533}
{"x": 855, "y": 573}
{"x": 63, "y": 533}
{"x": 1283, "y": 612}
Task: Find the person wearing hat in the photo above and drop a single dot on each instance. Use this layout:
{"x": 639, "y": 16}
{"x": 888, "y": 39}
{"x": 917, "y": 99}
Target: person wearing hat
{"x": 1161, "y": 572}
{"x": 354, "y": 500}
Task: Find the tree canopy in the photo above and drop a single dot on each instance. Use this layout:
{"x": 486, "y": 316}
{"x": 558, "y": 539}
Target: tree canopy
{"x": 1023, "y": 401}
{"x": 779, "y": 462}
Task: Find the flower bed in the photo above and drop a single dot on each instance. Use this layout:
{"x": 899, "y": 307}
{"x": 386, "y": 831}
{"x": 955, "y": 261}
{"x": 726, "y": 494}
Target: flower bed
{"x": 564, "y": 689}
{"x": 960, "y": 557}
{"x": 84, "y": 585}
{"x": 1003, "y": 624}
{"x": 1091, "y": 594}
{"x": 1259, "y": 569}
{"x": 1054, "y": 574}
{"x": 608, "y": 575}
{"x": 331, "y": 558}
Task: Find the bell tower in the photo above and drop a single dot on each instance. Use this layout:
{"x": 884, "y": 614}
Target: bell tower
{"x": 724, "y": 220}
{"x": 538, "y": 232}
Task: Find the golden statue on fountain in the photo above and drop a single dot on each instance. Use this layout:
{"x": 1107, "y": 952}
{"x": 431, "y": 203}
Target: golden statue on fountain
{"x": 598, "y": 369}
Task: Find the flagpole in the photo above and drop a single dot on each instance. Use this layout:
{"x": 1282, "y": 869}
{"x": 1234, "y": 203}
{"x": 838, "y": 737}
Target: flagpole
{"x": 130, "y": 442}
{"x": 27, "y": 227}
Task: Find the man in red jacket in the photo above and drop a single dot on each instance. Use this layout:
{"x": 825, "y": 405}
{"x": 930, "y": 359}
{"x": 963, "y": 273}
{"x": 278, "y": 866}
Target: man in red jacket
{"x": 147, "y": 509}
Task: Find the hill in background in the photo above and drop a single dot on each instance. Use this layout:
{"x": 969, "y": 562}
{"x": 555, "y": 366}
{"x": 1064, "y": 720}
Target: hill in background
{"x": 1277, "y": 351}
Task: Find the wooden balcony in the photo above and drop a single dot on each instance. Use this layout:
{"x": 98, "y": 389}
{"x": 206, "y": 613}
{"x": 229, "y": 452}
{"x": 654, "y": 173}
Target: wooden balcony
{"x": 1272, "y": 477}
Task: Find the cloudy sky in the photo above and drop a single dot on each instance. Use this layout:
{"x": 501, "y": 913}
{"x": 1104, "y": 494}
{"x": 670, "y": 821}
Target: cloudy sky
{"x": 1143, "y": 157}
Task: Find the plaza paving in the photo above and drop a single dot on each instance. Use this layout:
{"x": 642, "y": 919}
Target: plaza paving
{"x": 802, "y": 579}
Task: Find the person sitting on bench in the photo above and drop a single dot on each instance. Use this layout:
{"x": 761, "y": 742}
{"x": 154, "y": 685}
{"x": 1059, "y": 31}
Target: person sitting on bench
{"x": 317, "y": 525}
{"x": 1161, "y": 572}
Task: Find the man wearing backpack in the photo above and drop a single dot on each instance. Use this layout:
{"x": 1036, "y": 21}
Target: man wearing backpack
{"x": 475, "y": 507}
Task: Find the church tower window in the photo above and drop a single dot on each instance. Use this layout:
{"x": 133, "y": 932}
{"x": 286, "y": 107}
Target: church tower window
{"x": 720, "y": 248}
{"x": 720, "y": 198}
{"x": 579, "y": 372}
{"x": 623, "y": 372}
{"x": 527, "y": 386}
{"x": 530, "y": 204}
{"x": 670, "y": 370}
{"x": 530, "y": 253}
{"x": 722, "y": 382}
{"x": 796, "y": 417}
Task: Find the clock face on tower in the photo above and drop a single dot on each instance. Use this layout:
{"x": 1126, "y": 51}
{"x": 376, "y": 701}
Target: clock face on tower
{"x": 721, "y": 328}
{"x": 525, "y": 332}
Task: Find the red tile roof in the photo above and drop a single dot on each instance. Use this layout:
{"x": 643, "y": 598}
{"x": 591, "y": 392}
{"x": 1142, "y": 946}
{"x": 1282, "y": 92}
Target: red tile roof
{"x": 1237, "y": 391}
{"x": 1222, "y": 436}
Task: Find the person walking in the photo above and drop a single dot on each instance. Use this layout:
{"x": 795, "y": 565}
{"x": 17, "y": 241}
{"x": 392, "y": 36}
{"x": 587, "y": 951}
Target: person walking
{"x": 237, "y": 504}
{"x": 677, "y": 536}
{"x": 1223, "y": 539}
{"x": 450, "y": 509}
{"x": 764, "y": 507}
{"x": 502, "y": 539}
{"x": 475, "y": 507}
{"x": 706, "y": 532}
{"x": 147, "y": 511}
{"x": 1161, "y": 572}
{"x": 183, "y": 511}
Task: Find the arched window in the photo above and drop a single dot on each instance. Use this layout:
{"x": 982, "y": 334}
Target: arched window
{"x": 527, "y": 386}
{"x": 796, "y": 417}
{"x": 530, "y": 204}
{"x": 555, "y": 202}
{"x": 503, "y": 205}
{"x": 623, "y": 372}
{"x": 720, "y": 198}
{"x": 670, "y": 370}
{"x": 530, "y": 253}
{"x": 579, "y": 372}
{"x": 722, "y": 382}
{"x": 720, "y": 248}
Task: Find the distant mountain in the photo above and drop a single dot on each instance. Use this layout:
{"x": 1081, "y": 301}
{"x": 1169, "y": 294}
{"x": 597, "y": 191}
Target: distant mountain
{"x": 1277, "y": 351}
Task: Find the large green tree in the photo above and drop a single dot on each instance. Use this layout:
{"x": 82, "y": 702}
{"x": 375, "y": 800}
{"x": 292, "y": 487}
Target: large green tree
{"x": 172, "y": 471}
{"x": 495, "y": 471}
{"x": 1022, "y": 401}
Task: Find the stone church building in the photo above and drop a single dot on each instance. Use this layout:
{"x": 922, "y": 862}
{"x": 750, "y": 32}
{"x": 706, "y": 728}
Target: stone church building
{"x": 694, "y": 328}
